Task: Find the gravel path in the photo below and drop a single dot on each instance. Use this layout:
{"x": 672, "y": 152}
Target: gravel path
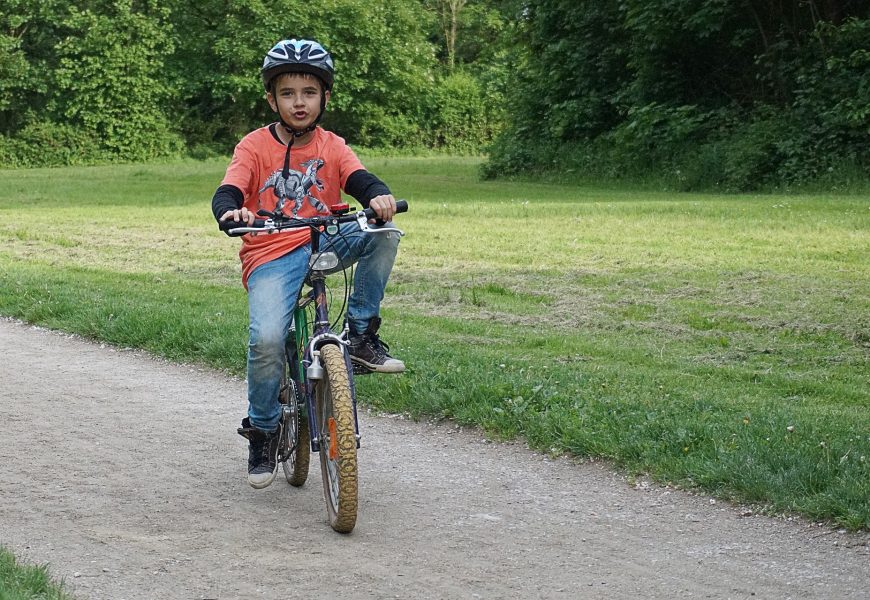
{"x": 125, "y": 474}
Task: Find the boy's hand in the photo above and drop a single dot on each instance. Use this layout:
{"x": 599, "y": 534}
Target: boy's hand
{"x": 239, "y": 215}
{"x": 384, "y": 207}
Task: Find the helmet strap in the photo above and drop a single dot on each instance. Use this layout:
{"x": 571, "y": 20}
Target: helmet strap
{"x": 285, "y": 172}
{"x": 296, "y": 133}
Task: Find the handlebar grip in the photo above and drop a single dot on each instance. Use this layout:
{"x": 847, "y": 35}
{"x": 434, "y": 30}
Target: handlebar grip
{"x": 225, "y": 226}
{"x": 401, "y": 206}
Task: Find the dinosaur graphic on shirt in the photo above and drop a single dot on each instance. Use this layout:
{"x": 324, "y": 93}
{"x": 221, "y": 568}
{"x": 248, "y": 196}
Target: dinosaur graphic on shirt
{"x": 296, "y": 187}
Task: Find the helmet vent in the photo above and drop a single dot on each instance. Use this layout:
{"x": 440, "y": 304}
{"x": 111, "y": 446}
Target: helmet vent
{"x": 298, "y": 56}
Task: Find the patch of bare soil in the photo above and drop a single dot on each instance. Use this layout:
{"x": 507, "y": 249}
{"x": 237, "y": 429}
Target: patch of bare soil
{"x": 125, "y": 474}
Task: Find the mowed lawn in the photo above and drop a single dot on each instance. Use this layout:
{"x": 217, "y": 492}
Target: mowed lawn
{"x": 717, "y": 342}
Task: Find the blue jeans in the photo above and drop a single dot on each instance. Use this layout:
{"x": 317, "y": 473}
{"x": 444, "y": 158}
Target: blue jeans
{"x": 273, "y": 289}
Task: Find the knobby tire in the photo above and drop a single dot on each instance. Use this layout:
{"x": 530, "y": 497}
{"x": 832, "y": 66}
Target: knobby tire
{"x": 338, "y": 461}
{"x": 296, "y": 465}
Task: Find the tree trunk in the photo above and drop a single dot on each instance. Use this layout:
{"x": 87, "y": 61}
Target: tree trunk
{"x": 450, "y": 19}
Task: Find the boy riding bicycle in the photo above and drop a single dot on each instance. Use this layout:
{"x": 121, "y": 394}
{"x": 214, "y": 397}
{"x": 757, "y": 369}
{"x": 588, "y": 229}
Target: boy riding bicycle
{"x": 265, "y": 174}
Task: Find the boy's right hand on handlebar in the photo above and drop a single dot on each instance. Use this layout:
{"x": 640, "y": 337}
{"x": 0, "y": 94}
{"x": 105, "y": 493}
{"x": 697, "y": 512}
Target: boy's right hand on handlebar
{"x": 384, "y": 207}
{"x": 241, "y": 215}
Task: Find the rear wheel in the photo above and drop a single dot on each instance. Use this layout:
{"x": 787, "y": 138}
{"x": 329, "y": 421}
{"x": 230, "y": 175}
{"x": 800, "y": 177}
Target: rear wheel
{"x": 335, "y": 419}
{"x": 296, "y": 444}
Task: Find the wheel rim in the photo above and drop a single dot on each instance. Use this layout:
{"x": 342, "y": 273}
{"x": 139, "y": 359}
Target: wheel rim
{"x": 328, "y": 448}
{"x": 290, "y": 422}
{"x": 294, "y": 451}
{"x": 291, "y": 425}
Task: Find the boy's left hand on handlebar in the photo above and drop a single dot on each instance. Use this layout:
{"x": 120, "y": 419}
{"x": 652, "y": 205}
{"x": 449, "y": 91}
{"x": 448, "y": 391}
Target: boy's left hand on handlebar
{"x": 384, "y": 207}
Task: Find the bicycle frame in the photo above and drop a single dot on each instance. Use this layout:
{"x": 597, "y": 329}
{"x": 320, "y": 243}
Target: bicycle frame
{"x": 307, "y": 349}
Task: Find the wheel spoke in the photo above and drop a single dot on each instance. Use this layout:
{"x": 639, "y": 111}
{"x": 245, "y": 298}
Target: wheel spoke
{"x": 296, "y": 450}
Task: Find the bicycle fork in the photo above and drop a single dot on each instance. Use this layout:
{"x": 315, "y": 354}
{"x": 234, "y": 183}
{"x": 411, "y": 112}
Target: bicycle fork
{"x": 310, "y": 371}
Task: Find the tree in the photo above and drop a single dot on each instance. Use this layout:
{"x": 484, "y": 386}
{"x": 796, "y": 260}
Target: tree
{"x": 448, "y": 14}
{"x": 696, "y": 92}
{"x": 28, "y": 33}
{"x": 110, "y": 77}
{"x": 384, "y": 66}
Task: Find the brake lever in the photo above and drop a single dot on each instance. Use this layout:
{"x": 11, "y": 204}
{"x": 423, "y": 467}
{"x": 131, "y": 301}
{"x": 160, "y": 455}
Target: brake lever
{"x": 362, "y": 220}
{"x": 363, "y": 223}
{"x": 268, "y": 227}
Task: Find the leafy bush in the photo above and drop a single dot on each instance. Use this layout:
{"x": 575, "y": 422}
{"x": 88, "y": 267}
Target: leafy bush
{"x": 45, "y": 144}
{"x": 510, "y": 154}
{"x": 459, "y": 118}
{"x": 110, "y": 79}
{"x": 745, "y": 158}
{"x": 380, "y": 128}
{"x": 654, "y": 134}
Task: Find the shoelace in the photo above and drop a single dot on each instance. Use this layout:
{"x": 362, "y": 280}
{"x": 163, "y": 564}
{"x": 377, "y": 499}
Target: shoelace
{"x": 262, "y": 448}
{"x": 381, "y": 348}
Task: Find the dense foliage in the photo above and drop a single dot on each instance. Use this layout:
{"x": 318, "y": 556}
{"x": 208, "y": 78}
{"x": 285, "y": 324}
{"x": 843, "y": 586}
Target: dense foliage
{"x": 84, "y": 83}
{"x": 130, "y": 80}
{"x": 694, "y": 93}
{"x": 691, "y": 93}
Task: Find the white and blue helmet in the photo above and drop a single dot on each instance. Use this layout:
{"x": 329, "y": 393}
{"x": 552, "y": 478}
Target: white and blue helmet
{"x": 298, "y": 56}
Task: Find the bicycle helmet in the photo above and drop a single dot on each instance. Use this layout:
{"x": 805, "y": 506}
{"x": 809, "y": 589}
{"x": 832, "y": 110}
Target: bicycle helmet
{"x": 298, "y": 56}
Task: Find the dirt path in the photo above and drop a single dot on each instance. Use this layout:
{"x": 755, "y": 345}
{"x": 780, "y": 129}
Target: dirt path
{"x": 125, "y": 475}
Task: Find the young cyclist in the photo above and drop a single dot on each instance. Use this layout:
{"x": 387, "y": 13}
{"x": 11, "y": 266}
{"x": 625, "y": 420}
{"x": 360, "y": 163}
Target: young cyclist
{"x": 299, "y": 168}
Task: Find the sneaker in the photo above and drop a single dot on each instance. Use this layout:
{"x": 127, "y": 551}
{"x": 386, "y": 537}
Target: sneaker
{"x": 262, "y": 453}
{"x": 368, "y": 351}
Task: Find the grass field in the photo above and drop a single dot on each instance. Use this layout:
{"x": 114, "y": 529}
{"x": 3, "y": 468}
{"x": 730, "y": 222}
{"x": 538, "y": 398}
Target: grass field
{"x": 26, "y": 582}
{"x": 715, "y": 342}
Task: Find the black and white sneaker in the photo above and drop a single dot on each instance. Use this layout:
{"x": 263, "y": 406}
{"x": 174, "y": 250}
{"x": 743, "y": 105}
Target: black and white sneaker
{"x": 262, "y": 453}
{"x": 369, "y": 353}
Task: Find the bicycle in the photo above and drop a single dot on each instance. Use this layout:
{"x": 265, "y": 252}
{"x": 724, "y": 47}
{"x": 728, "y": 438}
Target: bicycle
{"x": 318, "y": 371}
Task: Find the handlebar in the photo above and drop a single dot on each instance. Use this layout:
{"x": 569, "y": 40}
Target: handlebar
{"x": 281, "y": 222}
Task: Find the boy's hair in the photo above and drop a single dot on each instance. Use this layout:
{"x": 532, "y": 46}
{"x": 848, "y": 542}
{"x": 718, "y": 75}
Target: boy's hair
{"x": 270, "y": 87}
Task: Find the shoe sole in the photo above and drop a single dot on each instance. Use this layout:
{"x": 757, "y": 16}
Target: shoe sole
{"x": 374, "y": 368}
{"x": 259, "y": 485}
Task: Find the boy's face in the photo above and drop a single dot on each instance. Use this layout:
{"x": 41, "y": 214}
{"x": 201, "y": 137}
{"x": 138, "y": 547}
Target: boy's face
{"x": 296, "y": 97}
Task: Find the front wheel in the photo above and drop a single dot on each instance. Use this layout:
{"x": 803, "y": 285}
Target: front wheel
{"x": 335, "y": 420}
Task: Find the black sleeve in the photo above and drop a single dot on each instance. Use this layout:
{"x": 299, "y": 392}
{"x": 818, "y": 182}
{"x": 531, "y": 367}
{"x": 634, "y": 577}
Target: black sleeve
{"x": 227, "y": 197}
{"x": 364, "y": 186}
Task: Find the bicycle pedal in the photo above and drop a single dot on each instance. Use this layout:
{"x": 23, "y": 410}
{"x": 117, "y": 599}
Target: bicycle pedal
{"x": 359, "y": 369}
